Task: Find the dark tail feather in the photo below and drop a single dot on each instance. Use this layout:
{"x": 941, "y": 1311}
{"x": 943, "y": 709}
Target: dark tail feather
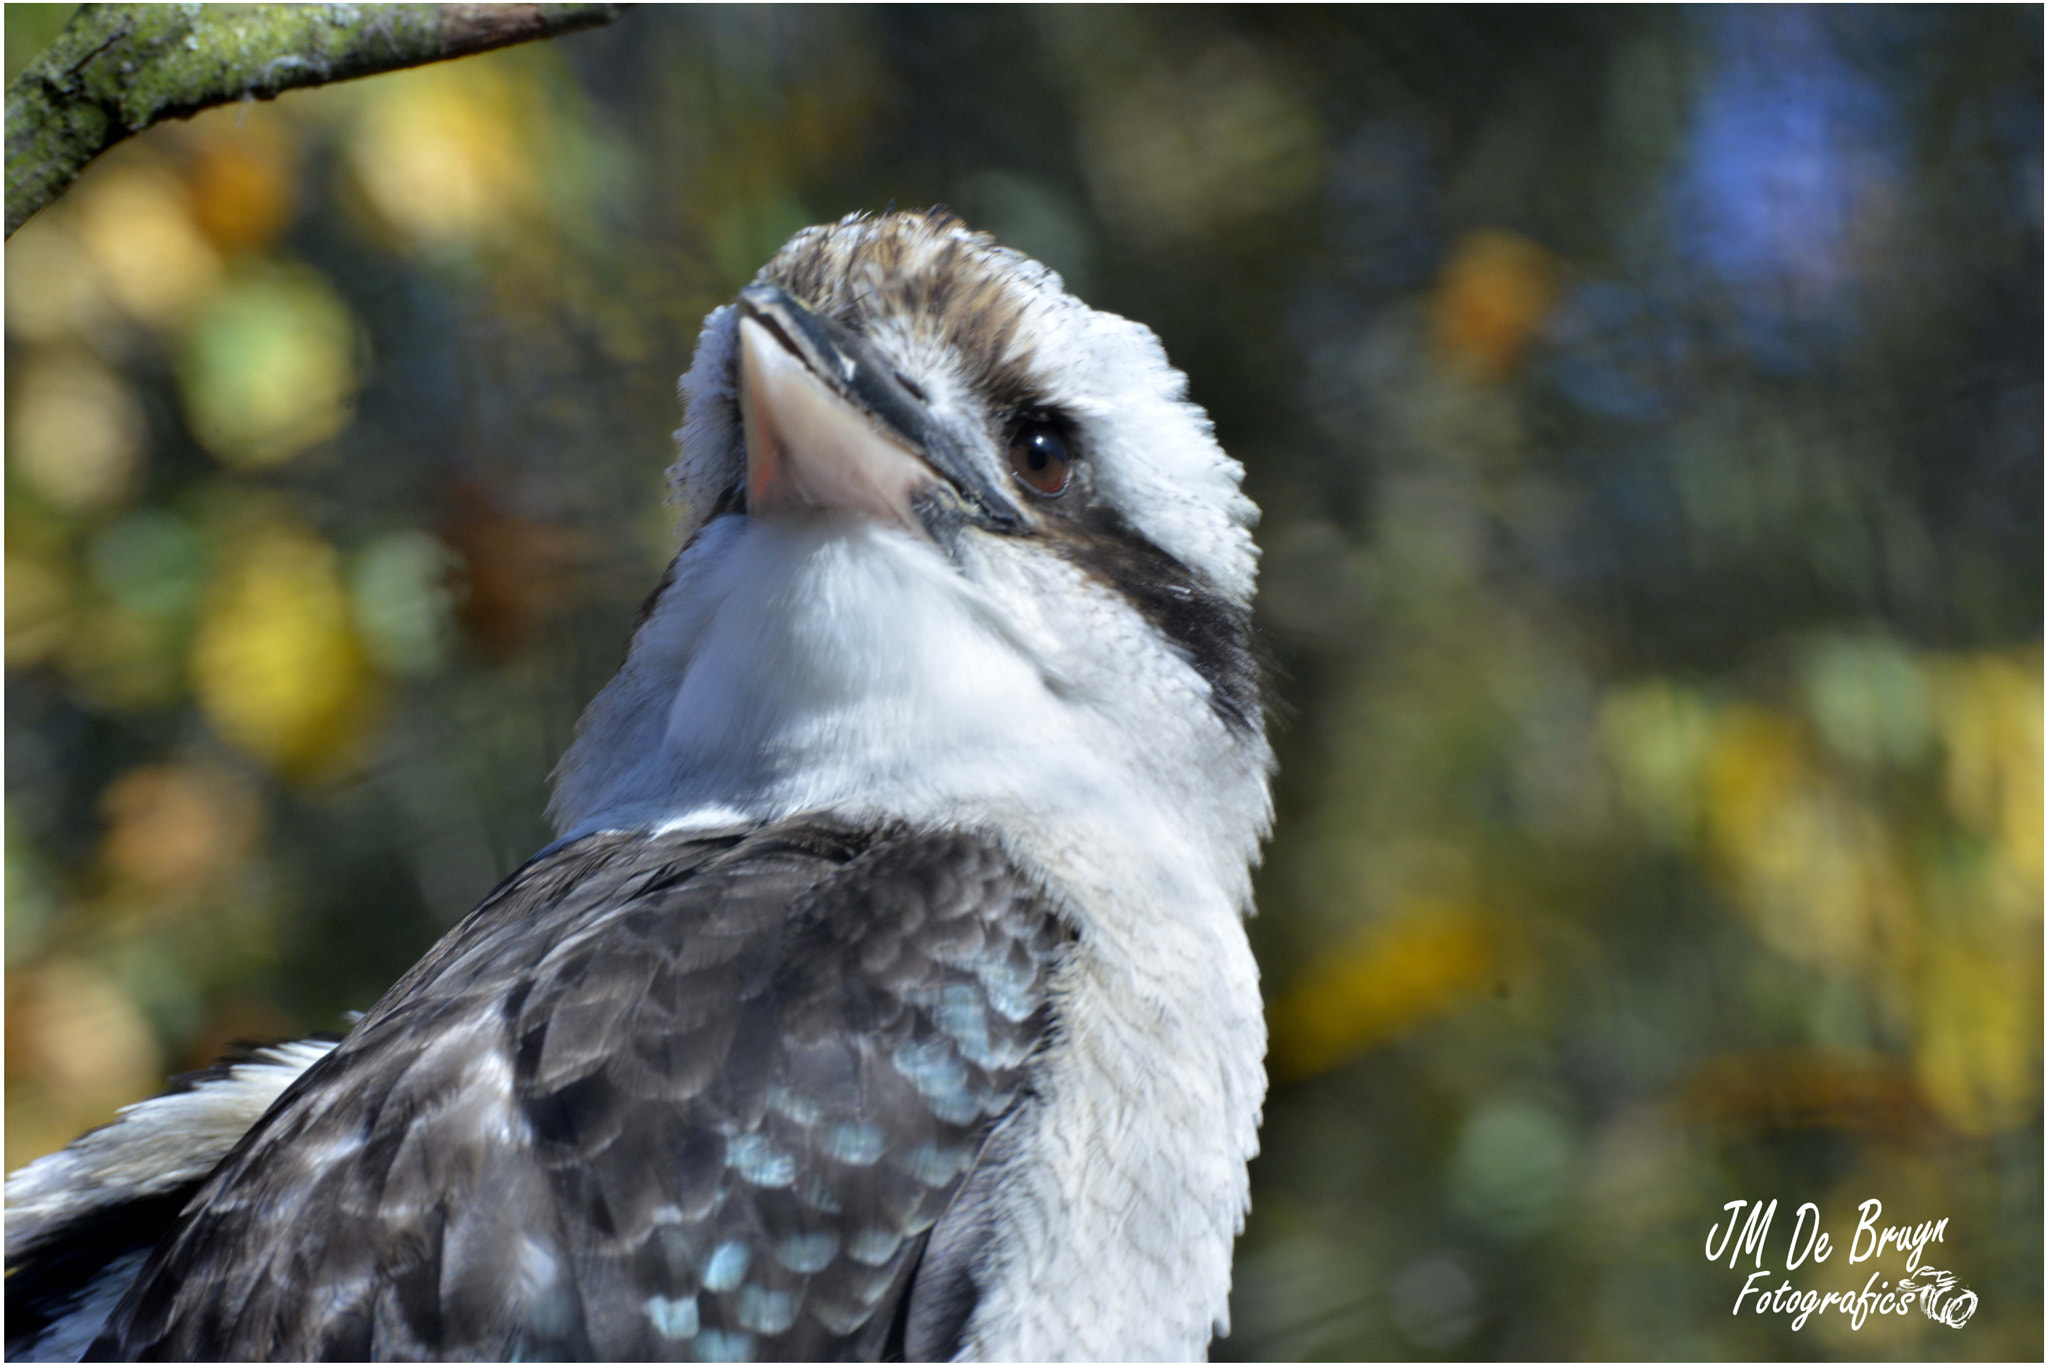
{"x": 81, "y": 1222}
{"x": 61, "y": 1288}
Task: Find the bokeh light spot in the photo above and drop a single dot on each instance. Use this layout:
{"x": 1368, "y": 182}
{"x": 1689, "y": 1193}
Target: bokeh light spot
{"x": 440, "y": 155}
{"x": 1496, "y": 290}
{"x": 136, "y": 222}
{"x": 172, "y": 827}
{"x": 1191, "y": 153}
{"x": 75, "y": 432}
{"x": 276, "y": 664}
{"x": 270, "y": 368}
{"x": 1511, "y": 1171}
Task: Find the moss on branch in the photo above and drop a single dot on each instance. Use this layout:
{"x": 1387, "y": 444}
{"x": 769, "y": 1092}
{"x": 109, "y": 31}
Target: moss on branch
{"x": 117, "y": 69}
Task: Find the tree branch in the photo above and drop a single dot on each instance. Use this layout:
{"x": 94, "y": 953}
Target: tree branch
{"x": 117, "y": 69}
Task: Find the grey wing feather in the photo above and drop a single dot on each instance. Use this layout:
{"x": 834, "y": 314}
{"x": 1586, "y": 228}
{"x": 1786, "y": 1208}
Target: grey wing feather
{"x": 677, "y": 1097}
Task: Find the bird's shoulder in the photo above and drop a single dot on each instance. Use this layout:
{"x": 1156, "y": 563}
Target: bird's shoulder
{"x": 661, "y": 1094}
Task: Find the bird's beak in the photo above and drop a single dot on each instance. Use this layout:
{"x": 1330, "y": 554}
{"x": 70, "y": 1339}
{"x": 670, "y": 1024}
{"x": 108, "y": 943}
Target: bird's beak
{"x": 829, "y": 425}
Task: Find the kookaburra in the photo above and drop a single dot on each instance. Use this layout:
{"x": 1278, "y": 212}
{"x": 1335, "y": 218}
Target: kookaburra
{"x": 887, "y": 992}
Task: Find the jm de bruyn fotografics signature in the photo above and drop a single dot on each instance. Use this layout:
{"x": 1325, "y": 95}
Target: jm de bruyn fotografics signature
{"x": 1925, "y": 1288}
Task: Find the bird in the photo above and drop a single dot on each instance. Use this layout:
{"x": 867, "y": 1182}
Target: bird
{"x": 887, "y": 991}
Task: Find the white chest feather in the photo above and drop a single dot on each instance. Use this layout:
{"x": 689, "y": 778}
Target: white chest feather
{"x": 1126, "y": 1188}
{"x": 828, "y": 663}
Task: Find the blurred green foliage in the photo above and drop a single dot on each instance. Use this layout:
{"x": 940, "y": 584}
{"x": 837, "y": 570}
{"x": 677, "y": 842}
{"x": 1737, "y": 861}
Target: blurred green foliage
{"x": 1646, "y": 410}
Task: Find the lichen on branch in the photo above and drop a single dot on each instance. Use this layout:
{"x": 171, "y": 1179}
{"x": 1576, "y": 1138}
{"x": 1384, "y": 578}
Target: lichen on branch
{"x": 117, "y": 69}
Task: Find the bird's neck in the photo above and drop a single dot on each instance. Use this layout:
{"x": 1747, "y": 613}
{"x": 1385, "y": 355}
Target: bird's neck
{"x": 827, "y": 663}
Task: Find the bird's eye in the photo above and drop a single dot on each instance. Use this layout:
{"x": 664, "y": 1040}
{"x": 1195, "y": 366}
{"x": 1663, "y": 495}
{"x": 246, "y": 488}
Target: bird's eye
{"x": 1038, "y": 456}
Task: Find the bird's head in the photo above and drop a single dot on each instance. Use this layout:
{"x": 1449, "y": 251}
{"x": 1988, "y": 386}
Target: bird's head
{"x": 943, "y": 519}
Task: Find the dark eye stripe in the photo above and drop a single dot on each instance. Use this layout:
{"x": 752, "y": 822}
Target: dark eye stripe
{"x": 1211, "y": 632}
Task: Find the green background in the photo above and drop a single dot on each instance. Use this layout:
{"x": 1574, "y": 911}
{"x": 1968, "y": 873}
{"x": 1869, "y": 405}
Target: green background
{"x": 1646, "y": 410}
